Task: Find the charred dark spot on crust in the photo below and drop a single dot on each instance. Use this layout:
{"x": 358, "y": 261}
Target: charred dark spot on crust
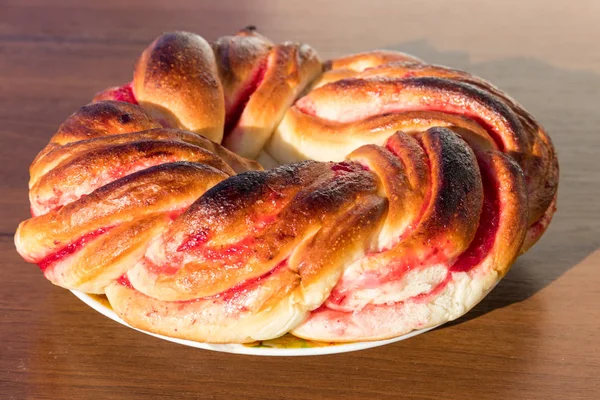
{"x": 296, "y": 192}
{"x": 125, "y": 118}
{"x": 231, "y": 191}
{"x": 250, "y": 31}
{"x": 349, "y": 83}
{"x": 329, "y": 196}
{"x": 245, "y": 189}
{"x": 526, "y": 119}
{"x": 460, "y": 189}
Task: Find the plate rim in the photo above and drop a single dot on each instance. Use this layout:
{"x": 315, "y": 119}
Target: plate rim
{"x": 248, "y": 350}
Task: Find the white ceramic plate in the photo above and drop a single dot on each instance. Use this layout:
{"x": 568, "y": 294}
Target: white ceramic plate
{"x": 287, "y": 345}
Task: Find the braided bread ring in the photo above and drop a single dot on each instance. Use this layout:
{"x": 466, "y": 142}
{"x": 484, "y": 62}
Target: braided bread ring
{"x": 405, "y": 192}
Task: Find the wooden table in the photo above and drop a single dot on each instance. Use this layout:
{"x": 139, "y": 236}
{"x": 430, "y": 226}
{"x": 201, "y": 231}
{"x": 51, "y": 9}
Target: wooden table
{"x": 535, "y": 336}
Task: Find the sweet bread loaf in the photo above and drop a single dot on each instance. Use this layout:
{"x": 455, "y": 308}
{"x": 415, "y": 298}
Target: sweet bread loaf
{"x": 396, "y": 195}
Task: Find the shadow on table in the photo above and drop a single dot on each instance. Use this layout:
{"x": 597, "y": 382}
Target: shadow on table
{"x": 565, "y": 102}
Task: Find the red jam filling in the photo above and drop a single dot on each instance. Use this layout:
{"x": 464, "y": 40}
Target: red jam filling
{"x": 538, "y": 227}
{"x": 173, "y": 215}
{"x": 496, "y": 137}
{"x": 69, "y": 249}
{"x": 423, "y": 297}
{"x": 195, "y": 240}
{"x": 198, "y": 241}
{"x": 488, "y": 225}
{"x": 227, "y": 295}
{"x": 336, "y": 297}
{"x": 125, "y": 93}
{"x": 264, "y": 221}
{"x": 124, "y": 281}
{"x": 243, "y": 287}
{"x": 394, "y": 272}
{"x": 236, "y": 253}
{"x": 160, "y": 269}
{"x": 342, "y": 167}
{"x": 478, "y": 249}
{"x": 233, "y": 254}
{"x": 235, "y": 111}
{"x": 323, "y": 307}
{"x": 277, "y": 199}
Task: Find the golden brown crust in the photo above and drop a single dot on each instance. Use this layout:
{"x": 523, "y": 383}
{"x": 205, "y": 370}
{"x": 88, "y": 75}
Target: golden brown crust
{"x": 404, "y": 176}
{"x": 58, "y": 154}
{"x": 375, "y": 96}
{"x": 541, "y": 168}
{"x": 445, "y": 223}
{"x": 63, "y": 173}
{"x": 239, "y": 58}
{"x": 413, "y": 189}
{"x": 485, "y": 252}
{"x": 95, "y": 120}
{"x": 278, "y": 81}
{"x": 101, "y": 119}
{"x": 89, "y": 170}
{"x": 176, "y": 79}
{"x": 164, "y": 188}
{"x": 240, "y": 242}
{"x": 369, "y": 59}
{"x": 236, "y": 320}
{"x": 379, "y": 96}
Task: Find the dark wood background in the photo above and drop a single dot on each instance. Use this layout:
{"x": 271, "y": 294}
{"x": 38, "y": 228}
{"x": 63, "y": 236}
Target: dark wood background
{"x": 536, "y": 336}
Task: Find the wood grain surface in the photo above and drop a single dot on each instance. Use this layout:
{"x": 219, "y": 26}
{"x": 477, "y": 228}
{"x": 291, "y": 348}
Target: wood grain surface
{"x": 536, "y": 336}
